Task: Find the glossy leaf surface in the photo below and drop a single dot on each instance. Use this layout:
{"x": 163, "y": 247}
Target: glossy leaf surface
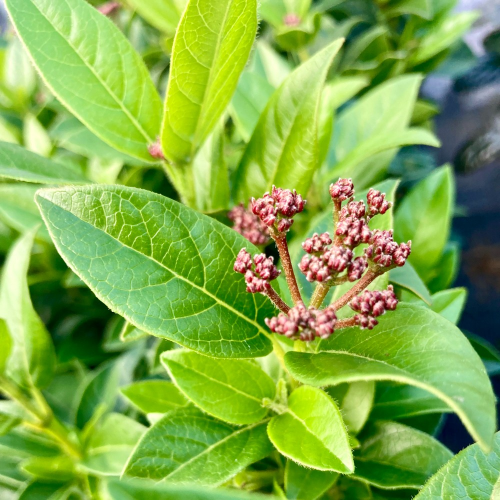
{"x": 92, "y": 69}
{"x": 125, "y": 245}
{"x": 211, "y": 48}
{"x": 189, "y": 447}
{"x": 302, "y": 482}
{"x": 232, "y": 390}
{"x": 323, "y": 443}
{"x": 407, "y": 347}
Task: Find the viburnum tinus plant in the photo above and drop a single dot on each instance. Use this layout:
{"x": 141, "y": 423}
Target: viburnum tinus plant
{"x": 149, "y": 350}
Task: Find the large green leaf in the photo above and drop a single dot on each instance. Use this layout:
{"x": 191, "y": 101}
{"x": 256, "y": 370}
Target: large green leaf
{"x": 407, "y": 346}
{"x": 162, "y": 14}
{"x": 126, "y": 245}
{"x": 229, "y": 389}
{"x": 395, "y": 401}
{"x": 111, "y": 443}
{"x": 470, "y": 474}
{"x": 384, "y": 111}
{"x": 303, "y": 483}
{"x": 144, "y": 490}
{"x": 92, "y": 69}
{"x": 394, "y": 456}
{"x": 32, "y": 359}
{"x": 6, "y": 343}
{"x": 18, "y": 164}
{"x": 406, "y": 277}
{"x": 154, "y": 396}
{"x": 189, "y": 447}
{"x": 314, "y": 416}
{"x": 211, "y": 48}
{"x": 424, "y": 217}
{"x": 450, "y": 303}
{"x": 284, "y": 148}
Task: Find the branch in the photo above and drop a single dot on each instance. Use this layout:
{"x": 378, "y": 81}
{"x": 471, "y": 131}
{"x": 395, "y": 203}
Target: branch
{"x": 356, "y": 289}
{"x": 277, "y": 300}
{"x": 345, "y": 323}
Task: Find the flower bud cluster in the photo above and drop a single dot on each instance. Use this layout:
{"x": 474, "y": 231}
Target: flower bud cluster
{"x": 156, "y": 151}
{"x": 385, "y": 252}
{"x": 278, "y": 208}
{"x": 372, "y": 304}
{"x": 377, "y": 202}
{"x": 259, "y": 271}
{"x": 249, "y": 225}
{"x": 342, "y": 190}
{"x": 304, "y": 323}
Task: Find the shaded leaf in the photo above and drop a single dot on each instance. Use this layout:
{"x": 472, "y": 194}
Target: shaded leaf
{"x": 302, "y": 483}
{"x": 162, "y": 14}
{"x": 450, "y": 303}
{"x": 407, "y": 277}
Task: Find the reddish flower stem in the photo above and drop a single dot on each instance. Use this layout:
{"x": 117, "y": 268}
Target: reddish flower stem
{"x": 337, "y": 207}
{"x": 277, "y": 300}
{"x": 345, "y": 323}
{"x": 286, "y": 262}
{"x": 356, "y": 289}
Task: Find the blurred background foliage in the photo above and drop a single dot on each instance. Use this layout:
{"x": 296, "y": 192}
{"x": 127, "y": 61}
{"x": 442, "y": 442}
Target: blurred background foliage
{"x": 405, "y": 77}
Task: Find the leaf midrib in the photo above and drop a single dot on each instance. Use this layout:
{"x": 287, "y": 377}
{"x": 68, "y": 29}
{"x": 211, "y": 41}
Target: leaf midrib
{"x": 202, "y": 289}
{"x": 213, "y": 446}
{"x": 105, "y": 86}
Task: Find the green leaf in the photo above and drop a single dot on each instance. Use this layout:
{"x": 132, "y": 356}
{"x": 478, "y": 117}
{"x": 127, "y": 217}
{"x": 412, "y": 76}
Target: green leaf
{"x": 343, "y": 89}
{"x": 125, "y": 244}
{"x": 111, "y": 444}
{"x": 162, "y": 14}
{"x": 424, "y": 217}
{"x": 188, "y": 447}
{"x": 129, "y": 333}
{"x": 383, "y": 112}
{"x": 18, "y": 209}
{"x": 154, "y": 396}
{"x": 144, "y": 490}
{"x": 52, "y": 469}
{"x": 406, "y": 277}
{"x": 446, "y": 270}
{"x": 322, "y": 447}
{"x": 489, "y": 354}
{"x": 232, "y": 390}
{"x": 17, "y": 163}
{"x": 6, "y": 343}
{"x": 421, "y": 8}
{"x": 211, "y": 177}
{"x": 40, "y": 490}
{"x": 470, "y": 474}
{"x": 32, "y": 359}
{"x": 396, "y": 456}
{"x": 284, "y": 148}
{"x": 92, "y": 69}
{"x": 211, "y": 47}
{"x": 407, "y": 346}
{"x": 442, "y": 35}
{"x": 395, "y": 401}
{"x": 355, "y": 402}
{"x": 450, "y": 303}
{"x": 302, "y": 483}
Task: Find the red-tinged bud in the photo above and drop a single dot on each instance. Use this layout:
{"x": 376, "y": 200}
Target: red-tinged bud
{"x": 342, "y": 190}
{"x": 249, "y": 225}
{"x": 156, "y": 151}
{"x": 385, "y": 252}
{"x": 317, "y": 243}
{"x": 256, "y": 284}
{"x": 353, "y": 231}
{"x": 401, "y": 254}
{"x": 314, "y": 268}
{"x": 291, "y": 20}
{"x": 372, "y": 304}
{"x": 377, "y": 202}
{"x": 265, "y": 268}
{"x": 303, "y": 323}
{"x": 264, "y": 209}
{"x": 108, "y": 8}
{"x": 338, "y": 258}
{"x": 288, "y": 203}
{"x": 355, "y": 209}
{"x": 284, "y": 225}
{"x": 243, "y": 262}
{"x": 357, "y": 268}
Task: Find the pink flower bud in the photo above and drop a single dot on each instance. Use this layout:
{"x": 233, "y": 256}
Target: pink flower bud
{"x": 265, "y": 268}
{"x": 385, "y": 252}
{"x": 288, "y": 203}
{"x": 284, "y": 225}
{"x": 249, "y": 225}
{"x": 258, "y": 273}
{"x": 342, "y": 190}
{"x": 355, "y": 209}
{"x": 353, "y": 231}
{"x": 372, "y": 304}
{"x": 291, "y": 20}
{"x": 243, "y": 262}
{"x": 357, "y": 268}
{"x": 108, "y": 8}
{"x": 314, "y": 268}
{"x": 317, "y": 243}
{"x": 155, "y": 150}
{"x": 377, "y": 202}
{"x": 338, "y": 258}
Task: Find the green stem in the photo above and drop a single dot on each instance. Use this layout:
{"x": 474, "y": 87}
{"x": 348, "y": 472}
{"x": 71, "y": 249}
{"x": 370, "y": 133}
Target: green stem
{"x": 182, "y": 178}
{"x": 320, "y": 292}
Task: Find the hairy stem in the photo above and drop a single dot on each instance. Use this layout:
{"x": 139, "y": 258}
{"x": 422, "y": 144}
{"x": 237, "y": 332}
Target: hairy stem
{"x": 337, "y": 207}
{"x": 345, "y": 323}
{"x": 356, "y": 289}
{"x": 286, "y": 262}
{"x": 277, "y": 300}
{"x": 320, "y": 292}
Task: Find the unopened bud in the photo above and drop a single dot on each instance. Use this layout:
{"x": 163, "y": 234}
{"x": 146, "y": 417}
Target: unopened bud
{"x": 377, "y": 202}
{"x": 317, "y": 243}
{"x": 342, "y": 190}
